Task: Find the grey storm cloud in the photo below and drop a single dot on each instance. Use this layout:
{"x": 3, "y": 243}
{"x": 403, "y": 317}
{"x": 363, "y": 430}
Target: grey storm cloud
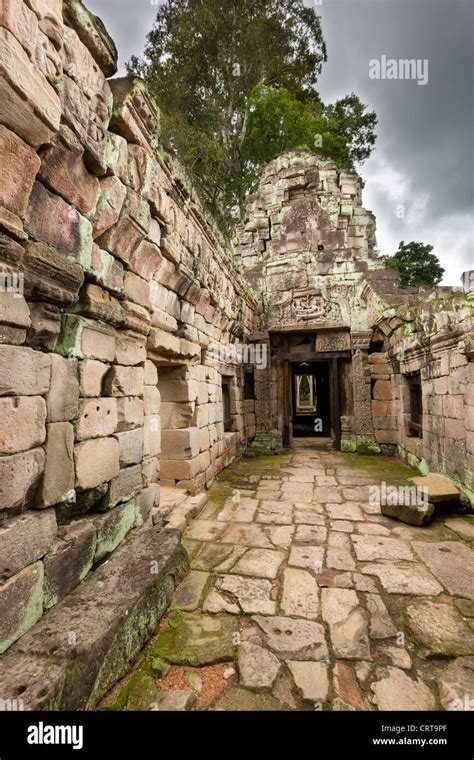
{"x": 419, "y": 179}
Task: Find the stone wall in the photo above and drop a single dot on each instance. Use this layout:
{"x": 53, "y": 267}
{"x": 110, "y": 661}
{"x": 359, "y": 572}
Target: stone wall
{"x": 115, "y": 285}
{"x": 429, "y": 337}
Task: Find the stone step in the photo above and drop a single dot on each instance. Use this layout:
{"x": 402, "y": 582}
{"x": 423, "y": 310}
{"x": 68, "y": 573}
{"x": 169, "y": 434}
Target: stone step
{"x": 85, "y": 644}
{"x": 440, "y": 488}
{"x": 182, "y": 512}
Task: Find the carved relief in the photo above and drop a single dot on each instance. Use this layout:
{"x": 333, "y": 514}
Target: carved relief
{"x": 333, "y": 341}
{"x": 305, "y": 308}
{"x": 361, "y": 340}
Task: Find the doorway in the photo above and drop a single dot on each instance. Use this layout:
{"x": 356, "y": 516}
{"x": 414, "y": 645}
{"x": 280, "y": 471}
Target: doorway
{"x": 311, "y": 400}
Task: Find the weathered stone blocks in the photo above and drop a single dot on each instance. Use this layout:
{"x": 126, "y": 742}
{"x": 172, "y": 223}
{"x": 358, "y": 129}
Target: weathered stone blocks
{"x": 97, "y": 418}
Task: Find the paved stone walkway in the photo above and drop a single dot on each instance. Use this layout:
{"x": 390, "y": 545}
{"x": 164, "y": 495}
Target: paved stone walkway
{"x": 303, "y": 596}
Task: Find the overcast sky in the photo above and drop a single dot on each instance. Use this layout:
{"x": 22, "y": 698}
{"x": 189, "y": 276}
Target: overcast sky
{"x": 419, "y": 180}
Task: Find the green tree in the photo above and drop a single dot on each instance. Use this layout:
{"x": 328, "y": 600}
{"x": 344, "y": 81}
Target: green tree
{"x": 214, "y": 66}
{"x": 416, "y": 264}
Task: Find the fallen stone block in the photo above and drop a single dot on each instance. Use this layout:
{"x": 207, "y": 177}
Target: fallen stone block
{"x": 408, "y": 513}
{"x": 98, "y": 630}
{"x": 439, "y": 488}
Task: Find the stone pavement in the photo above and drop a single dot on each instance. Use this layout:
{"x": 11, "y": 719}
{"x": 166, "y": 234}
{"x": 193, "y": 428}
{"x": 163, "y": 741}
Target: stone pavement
{"x": 303, "y": 596}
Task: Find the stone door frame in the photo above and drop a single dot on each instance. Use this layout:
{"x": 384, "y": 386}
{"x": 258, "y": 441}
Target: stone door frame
{"x": 312, "y": 357}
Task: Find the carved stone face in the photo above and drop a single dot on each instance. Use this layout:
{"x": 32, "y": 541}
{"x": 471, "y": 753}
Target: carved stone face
{"x": 99, "y": 117}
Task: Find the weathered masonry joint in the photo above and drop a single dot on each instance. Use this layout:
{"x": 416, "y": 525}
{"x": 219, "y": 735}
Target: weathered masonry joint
{"x": 140, "y": 354}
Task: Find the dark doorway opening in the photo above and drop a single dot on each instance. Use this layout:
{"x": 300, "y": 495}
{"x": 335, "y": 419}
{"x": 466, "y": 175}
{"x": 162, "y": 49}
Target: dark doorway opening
{"x": 311, "y": 400}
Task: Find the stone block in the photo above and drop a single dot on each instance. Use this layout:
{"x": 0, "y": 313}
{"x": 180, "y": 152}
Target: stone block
{"x": 97, "y": 418}
{"x": 152, "y": 399}
{"x": 49, "y": 275}
{"x": 177, "y": 415}
{"x": 25, "y": 539}
{"x": 130, "y": 413}
{"x": 438, "y": 487}
{"x": 63, "y": 171}
{"x": 131, "y": 446}
{"x": 69, "y": 562}
{"x": 113, "y": 527}
{"x": 407, "y": 513}
{"x": 122, "y": 238}
{"x": 93, "y": 34}
{"x": 62, "y": 399}
{"x": 98, "y": 304}
{"x": 88, "y": 118}
{"x": 180, "y": 469}
{"x": 151, "y": 373}
{"x": 97, "y": 461}
{"x": 23, "y": 423}
{"x": 21, "y": 602}
{"x": 109, "y": 205}
{"x": 104, "y": 269}
{"x": 58, "y": 480}
{"x": 124, "y": 381}
{"x": 45, "y": 324}
{"x": 23, "y": 372}
{"x": 146, "y": 259}
{"x": 85, "y": 339}
{"x": 124, "y": 487}
{"x": 29, "y": 106}
{"x": 152, "y": 436}
{"x": 91, "y": 375}
{"x": 136, "y": 289}
{"x": 136, "y": 318}
{"x": 131, "y": 348}
{"x": 162, "y": 343}
{"x": 52, "y": 221}
{"x": 118, "y": 597}
{"x": 148, "y": 498}
{"x": 20, "y": 475}
{"x": 382, "y": 390}
{"x": 19, "y": 163}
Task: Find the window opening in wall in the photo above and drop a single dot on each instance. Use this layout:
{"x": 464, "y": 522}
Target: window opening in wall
{"x": 226, "y": 404}
{"x": 415, "y": 421}
{"x": 249, "y": 386}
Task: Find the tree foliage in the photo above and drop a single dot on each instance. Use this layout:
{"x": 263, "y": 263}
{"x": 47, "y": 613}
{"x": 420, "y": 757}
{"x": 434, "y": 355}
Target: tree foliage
{"x": 416, "y": 264}
{"x": 236, "y": 82}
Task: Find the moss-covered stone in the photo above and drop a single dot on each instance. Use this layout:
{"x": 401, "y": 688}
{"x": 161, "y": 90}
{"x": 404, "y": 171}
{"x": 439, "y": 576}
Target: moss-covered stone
{"x": 197, "y": 639}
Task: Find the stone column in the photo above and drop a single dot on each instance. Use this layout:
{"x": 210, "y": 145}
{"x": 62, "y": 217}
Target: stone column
{"x": 363, "y": 424}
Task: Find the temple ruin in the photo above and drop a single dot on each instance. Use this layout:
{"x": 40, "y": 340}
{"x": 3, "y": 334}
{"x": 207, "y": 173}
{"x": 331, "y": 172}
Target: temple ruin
{"x": 141, "y": 354}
